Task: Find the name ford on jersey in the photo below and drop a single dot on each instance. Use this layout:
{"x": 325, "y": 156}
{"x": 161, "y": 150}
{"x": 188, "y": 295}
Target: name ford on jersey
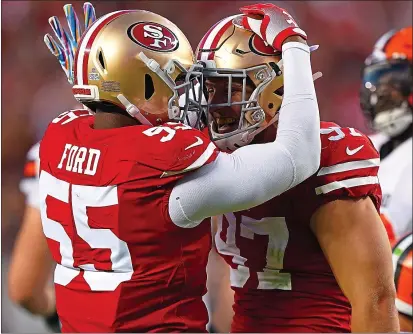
{"x": 80, "y": 160}
{"x": 153, "y": 36}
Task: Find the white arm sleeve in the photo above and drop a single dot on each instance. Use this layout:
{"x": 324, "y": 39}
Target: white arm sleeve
{"x": 256, "y": 173}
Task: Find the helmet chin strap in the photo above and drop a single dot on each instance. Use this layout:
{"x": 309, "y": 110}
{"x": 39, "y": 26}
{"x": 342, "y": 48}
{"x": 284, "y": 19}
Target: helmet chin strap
{"x": 250, "y": 136}
{"x": 133, "y": 110}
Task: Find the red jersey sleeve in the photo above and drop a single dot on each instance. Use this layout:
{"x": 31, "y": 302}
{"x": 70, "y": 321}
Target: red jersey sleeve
{"x": 141, "y": 152}
{"x": 55, "y": 133}
{"x": 348, "y": 168}
{"x": 187, "y": 149}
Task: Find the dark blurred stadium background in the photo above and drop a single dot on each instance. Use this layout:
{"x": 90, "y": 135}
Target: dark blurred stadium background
{"x": 34, "y": 88}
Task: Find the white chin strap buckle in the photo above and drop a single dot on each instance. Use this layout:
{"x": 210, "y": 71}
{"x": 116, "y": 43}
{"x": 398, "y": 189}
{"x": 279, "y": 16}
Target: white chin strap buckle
{"x": 132, "y": 110}
{"x": 317, "y": 75}
{"x": 151, "y": 63}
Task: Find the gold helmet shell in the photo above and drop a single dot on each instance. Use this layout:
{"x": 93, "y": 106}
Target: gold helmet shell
{"x": 132, "y": 59}
{"x": 228, "y": 50}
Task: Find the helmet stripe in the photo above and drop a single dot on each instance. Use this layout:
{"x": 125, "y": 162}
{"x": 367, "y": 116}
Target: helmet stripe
{"x": 218, "y": 37}
{"x": 84, "y": 49}
{"x": 383, "y": 40}
{"x": 203, "y": 40}
{"x": 213, "y": 37}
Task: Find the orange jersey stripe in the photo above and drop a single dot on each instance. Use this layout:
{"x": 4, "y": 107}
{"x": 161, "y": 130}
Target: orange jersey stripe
{"x": 30, "y": 169}
{"x": 389, "y": 228}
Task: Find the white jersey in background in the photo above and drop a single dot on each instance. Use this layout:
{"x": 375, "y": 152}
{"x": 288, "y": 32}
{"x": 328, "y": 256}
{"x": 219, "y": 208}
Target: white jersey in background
{"x": 29, "y": 185}
{"x": 395, "y": 176}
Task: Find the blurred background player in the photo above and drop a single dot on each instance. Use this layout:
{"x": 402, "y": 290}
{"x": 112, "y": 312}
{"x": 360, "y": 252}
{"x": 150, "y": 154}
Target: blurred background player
{"x": 387, "y": 99}
{"x": 286, "y": 256}
{"x": 403, "y": 278}
{"x": 31, "y": 267}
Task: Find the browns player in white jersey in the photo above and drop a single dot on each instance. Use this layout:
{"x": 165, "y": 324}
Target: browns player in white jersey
{"x": 387, "y": 100}
{"x": 316, "y": 258}
{"x": 119, "y": 189}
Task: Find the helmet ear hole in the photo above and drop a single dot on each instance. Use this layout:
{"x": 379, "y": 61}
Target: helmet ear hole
{"x": 149, "y": 87}
{"x": 101, "y": 60}
{"x": 279, "y": 91}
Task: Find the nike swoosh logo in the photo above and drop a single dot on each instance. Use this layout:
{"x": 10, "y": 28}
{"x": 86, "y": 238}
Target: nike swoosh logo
{"x": 198, "y": 142}
{"x": 351, "y": 152}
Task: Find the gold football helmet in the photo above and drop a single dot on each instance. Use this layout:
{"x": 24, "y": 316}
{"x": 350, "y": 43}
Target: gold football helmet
{"x": 229, "y": 51}
{"x": 140, "y": 62}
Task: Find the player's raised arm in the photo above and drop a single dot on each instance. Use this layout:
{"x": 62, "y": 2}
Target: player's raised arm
{"x": 257, "y": 173}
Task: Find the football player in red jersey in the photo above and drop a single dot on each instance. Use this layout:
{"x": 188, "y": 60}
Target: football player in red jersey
{"x": 316, "y": 258}
{"x": 120, "y": 195}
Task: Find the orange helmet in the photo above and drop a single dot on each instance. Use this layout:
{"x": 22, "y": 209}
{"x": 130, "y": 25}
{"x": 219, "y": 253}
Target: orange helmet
{"x": 386, "y": 93}
{"x": 139, "y": 62}
{"x": 402, "y": 262}
{"x": 395, "y": 44}
{"x": 230, "y": 52}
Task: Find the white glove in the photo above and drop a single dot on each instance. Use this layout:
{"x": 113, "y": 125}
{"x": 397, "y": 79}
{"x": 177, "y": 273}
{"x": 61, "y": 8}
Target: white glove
{"x": 272, "y": 23}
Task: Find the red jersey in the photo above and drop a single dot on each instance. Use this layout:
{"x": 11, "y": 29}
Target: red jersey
{"x": 281, "y": 278}
{"x": 123, "y": 265}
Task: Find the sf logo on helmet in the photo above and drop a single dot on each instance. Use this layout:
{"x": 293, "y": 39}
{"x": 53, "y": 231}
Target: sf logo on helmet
{"x": 153, "y": 36}
{"x": 258, "y": 46}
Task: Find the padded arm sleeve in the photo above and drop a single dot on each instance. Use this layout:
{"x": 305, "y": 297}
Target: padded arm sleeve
{"x": 256, "y": 173}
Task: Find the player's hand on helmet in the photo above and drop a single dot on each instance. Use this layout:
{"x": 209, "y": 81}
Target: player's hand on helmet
{"x": 272, "y": 23}
{"x": 65, "y": 48}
